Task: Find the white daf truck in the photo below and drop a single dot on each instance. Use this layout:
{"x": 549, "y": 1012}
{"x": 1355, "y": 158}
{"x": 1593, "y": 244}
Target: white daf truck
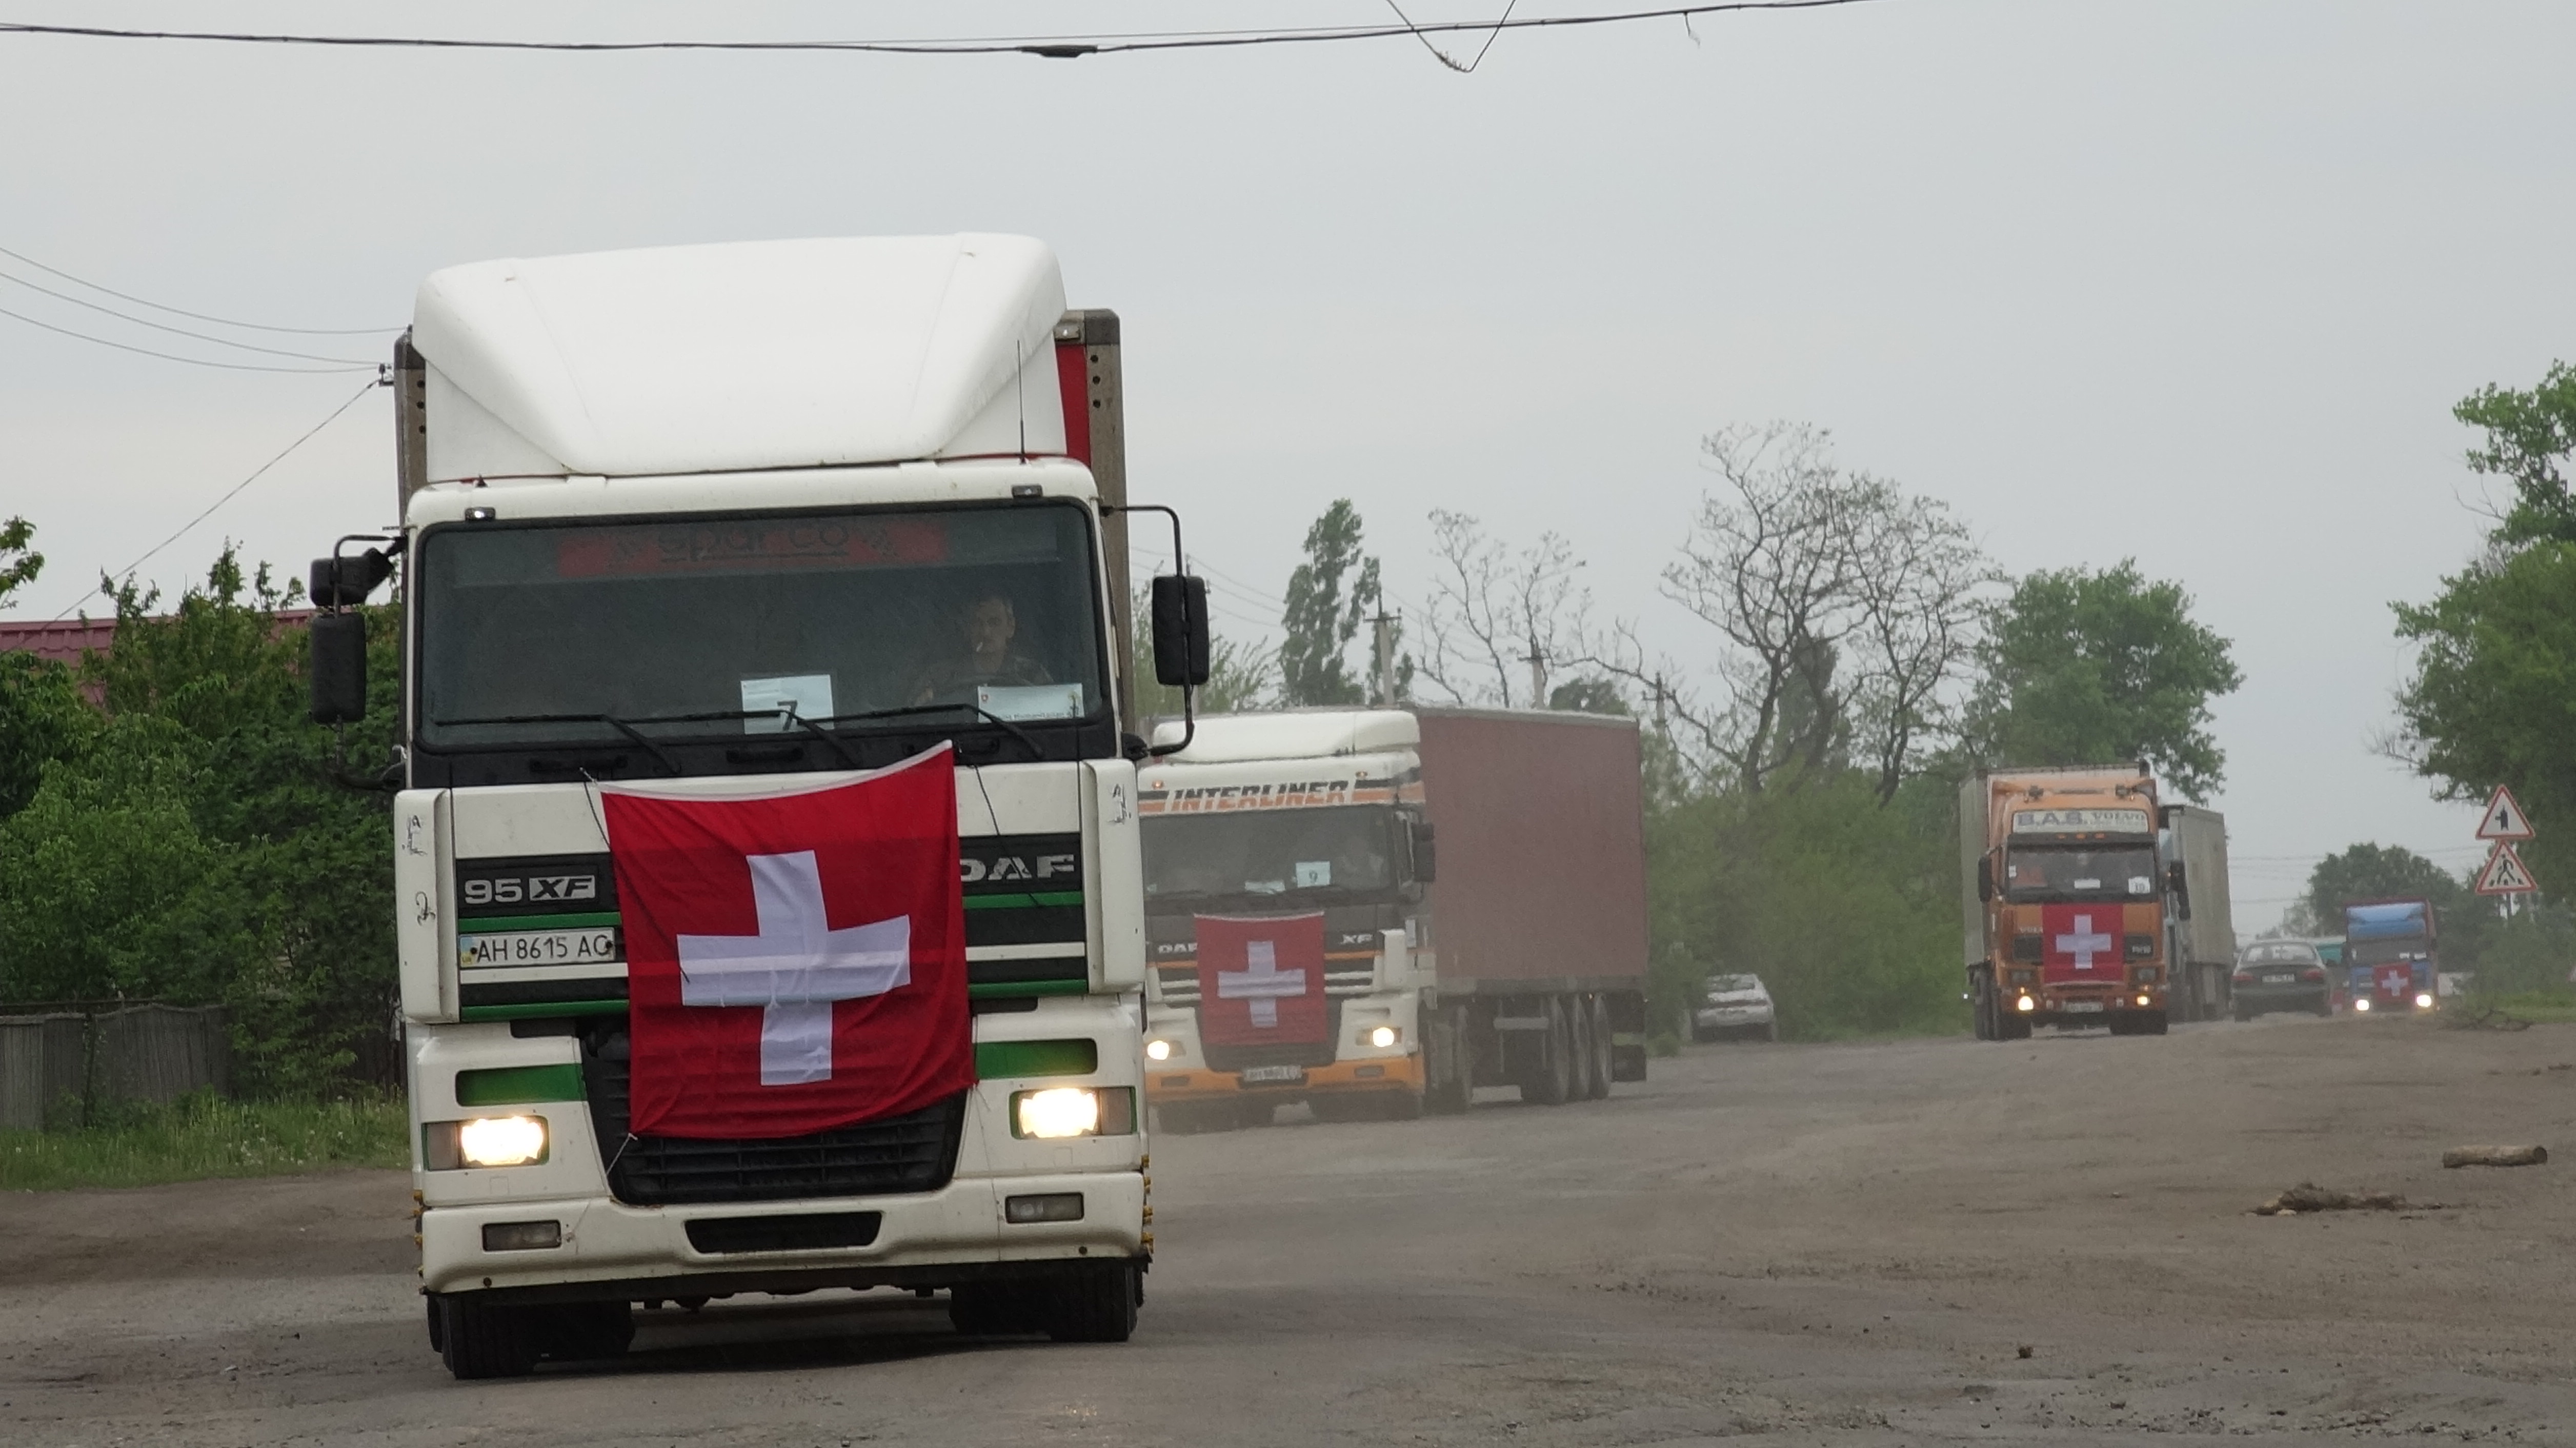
{"x": 723, "y": 518}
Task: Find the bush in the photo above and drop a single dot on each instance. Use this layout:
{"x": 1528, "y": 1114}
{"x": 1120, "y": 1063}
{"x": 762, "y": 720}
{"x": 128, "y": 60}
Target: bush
{"x": 202, "y": 1135}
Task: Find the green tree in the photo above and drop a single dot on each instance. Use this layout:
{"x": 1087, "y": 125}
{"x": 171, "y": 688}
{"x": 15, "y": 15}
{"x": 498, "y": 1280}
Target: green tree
{"x": 2379, "y": 872}
{"x": 2528, "y": 434}
{"x": 19, "y": 563}
{"x": 42, "y": 716}
{"x": 2085, "y": 667}
{"x": 1320, "y": 620}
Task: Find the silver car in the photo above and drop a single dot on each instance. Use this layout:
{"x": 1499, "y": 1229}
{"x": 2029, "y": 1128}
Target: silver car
{"x": 1734, "y": 1007}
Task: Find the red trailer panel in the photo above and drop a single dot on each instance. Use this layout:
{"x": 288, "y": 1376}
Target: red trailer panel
{"x": 1542, "y": 841}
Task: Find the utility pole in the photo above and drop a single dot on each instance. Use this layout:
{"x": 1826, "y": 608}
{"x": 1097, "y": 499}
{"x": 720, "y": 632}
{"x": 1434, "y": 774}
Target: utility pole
{"x": 1538, "y": 675}
{"x": 1385, "y": 623}
{"x": 1659, "y": 701}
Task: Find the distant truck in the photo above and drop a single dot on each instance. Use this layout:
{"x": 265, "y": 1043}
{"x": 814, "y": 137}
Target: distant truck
{"x": 2065, "y": 900}
{"x": 2199, "y": 916}
{"x": 2390, "y": 955}
{"x": 1290, "y": 872}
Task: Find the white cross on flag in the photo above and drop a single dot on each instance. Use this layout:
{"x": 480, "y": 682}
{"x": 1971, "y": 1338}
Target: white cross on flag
{"x": 795, "y": 961}
{"x": 2084, "y": 942}
{"x": 2081, "y": 942}
{"x": 1261, "y": 982}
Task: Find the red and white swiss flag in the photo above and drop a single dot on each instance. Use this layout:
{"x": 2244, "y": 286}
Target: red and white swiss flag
{"x": 795, "y": 961}
{"x": 1261, "y": 981}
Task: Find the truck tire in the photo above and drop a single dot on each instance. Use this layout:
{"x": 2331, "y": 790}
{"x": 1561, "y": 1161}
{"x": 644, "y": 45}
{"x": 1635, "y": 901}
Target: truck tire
{"x": 1095, "y": 1302}
{"x": 2151, "y": 1023}
{"x": 1547, "y": 1078}
{"x": 2010, "y": 1025}
{"x": 1449, "y": 1063}
{"x": 478, "y": 1340}
{"x": 1981, "y": 1009}
{"x": 1602, "y": 1067}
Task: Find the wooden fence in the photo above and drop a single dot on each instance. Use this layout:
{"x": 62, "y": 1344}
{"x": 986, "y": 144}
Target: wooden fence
{"x": 60, "y": 1069}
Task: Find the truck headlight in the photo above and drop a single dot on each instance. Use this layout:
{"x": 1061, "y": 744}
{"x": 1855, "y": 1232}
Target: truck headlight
{"x": 2361, "y": 1003}
{"x": 1158, "y": 1050}
{"x": 2145, "y": 1001}
{"x": 2026, "y": 1004}
{"x": 487, "y": 1141}
{"x": 1384, "y": 1036}
{"x": 1059, "y": 1112}
{"x": 2423, "y": 1000}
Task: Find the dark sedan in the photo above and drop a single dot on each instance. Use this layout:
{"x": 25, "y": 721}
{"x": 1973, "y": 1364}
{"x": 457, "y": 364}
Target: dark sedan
{"x": 2281, "y": 975}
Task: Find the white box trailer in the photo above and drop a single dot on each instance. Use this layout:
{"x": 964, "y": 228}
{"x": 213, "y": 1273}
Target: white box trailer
{"x": 2201, "y": 918}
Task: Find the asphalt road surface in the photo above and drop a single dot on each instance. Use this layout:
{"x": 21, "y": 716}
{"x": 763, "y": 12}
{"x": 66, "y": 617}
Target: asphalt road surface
{"x": 1925, "y": 1242}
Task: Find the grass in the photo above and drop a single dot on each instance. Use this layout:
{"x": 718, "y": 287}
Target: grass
{"x": 204, "y": 1136}
{"x": 2540, "y": 1007}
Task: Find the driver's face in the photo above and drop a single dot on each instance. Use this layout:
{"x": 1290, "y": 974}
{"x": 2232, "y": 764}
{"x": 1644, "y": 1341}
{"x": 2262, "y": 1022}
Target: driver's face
{"x": 989, "y": 629}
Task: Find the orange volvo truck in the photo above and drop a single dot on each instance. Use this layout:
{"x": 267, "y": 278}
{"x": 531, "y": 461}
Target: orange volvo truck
{"x": 2064, "y": 900}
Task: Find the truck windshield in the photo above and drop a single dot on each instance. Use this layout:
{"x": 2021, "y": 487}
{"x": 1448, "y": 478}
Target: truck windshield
{"x": 2114, "y": 872}
{"x": 1270, "y": 852}
{"x": 556, "y": 633}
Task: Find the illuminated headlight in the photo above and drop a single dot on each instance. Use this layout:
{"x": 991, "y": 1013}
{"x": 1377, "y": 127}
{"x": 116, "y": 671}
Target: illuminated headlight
{"x": 1158, "y": 1050}
{"x": 2145, "y": 1001}
{"x": 2026, "y": 1004}
{"x": 484, "y": 1142}
{"x": 1383, "y": 1036}
{"x": 2361, "y": 1003}
{"x": 1059, "y": 1112}
{"x": 2423, "y": 1000}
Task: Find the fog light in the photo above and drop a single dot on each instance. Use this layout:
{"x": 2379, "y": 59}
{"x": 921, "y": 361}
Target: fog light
{"x": 521, "y": 1236}
{"x": 1158, "y": 1050}
{"x": 2361, "y": 1003}
{"x": 2423, "y": 1000}
{"x": 1044, "y": 1207}
{"x": 1382, "y": 1036}
{"x": 2026, "y": 1004}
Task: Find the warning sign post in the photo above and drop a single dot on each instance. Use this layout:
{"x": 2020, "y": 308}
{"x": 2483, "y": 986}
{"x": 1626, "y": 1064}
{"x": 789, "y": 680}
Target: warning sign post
{"x": 2504, "y": 873}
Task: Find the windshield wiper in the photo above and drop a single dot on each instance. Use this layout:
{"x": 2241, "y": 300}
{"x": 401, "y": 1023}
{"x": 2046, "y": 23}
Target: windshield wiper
{"x": 864, "y": 716}
{"x": 622, "y": 726}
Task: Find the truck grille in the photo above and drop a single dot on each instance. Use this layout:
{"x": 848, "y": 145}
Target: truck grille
{"x": 1180, "y": 983}
{"x": 915, "y": 1152}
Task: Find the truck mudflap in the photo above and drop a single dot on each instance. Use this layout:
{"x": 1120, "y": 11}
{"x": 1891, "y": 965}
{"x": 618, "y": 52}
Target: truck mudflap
{"x": 598, "y": 1249}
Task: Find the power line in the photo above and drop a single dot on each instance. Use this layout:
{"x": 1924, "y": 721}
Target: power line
{"x": 128, "y": 570}
{"x": 175, "y": 357}
{"x": 181, "y": 311}
{"x": 1055, "y": 47}
{"x": 179, "y": 331}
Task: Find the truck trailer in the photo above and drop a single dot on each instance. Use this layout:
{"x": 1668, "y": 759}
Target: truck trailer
{"x": 712, "y": 539}
{"x": 2199, "y": 913}
{"x": 2064, "y": 900}
{"x": 1313, "y": 939}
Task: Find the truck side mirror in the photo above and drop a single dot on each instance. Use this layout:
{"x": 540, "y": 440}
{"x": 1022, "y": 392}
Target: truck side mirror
{"x": 1426, "y": 853}
{"x": 1180, "y": 630}
{"x": 1985, "y": 877}
{"x": 342, "y": 582}
{"x": 336, "y": 667}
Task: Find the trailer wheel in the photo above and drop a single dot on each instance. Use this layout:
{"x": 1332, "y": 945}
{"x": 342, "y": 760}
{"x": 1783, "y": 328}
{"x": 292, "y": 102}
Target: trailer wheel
{"x": 1602, "y": 1068}
{"x": 1448, "y": 1062}
{"x": 1548, "y": 1078}
{"x": 1096, "y": 1302}
{"x": 1981, "y": 1007}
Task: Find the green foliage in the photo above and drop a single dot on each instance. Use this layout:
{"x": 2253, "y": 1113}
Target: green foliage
{"x": 42, "y": 718}
{"x": 1319, "y": 621}
{"x": 1848, "y": 911}
{"x": 193, "y": 846}
{"x": 2525, "y": 957}
{"x": 202, "y": 1136}
{"x": 2086, "y": 667}
{"x": 2381, "y": 872}
{"x": 2527, "y": 434}
{"x": 1589, "y": 695}
{"x": 1239, "y": 674}
{"x": 2493, "y": 697}
{"x": 19, "y": 564}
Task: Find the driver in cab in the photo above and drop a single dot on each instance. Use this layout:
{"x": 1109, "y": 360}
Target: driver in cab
{"x": 989, "y": 629}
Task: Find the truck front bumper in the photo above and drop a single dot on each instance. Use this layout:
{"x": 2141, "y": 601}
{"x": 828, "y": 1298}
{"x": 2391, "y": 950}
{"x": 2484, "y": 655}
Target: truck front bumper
{"x": 612, "y": 1251}
{"x": 1378, "y": 1073}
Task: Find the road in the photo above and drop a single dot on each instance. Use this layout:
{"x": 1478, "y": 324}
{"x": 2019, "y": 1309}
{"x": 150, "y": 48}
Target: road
{"x": 1917, "y": 1242}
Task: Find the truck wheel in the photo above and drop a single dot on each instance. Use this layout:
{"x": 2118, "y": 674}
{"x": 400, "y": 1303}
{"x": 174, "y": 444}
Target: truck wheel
{"x": 1449, "y": 1063}
{"x": 992, "y": 1309}
{"x": 1603, "y": 1068}
{"x": 2150, "y": 1023}
{"x": 2010, "y": 1025}
{"x": 478, "y": 1340}
{"x": 1981, "y": 1007}
{"x": 1096, "y": 1302}
{"x": 1578, "y": 1062}
{"x": 1549, "y": 1079}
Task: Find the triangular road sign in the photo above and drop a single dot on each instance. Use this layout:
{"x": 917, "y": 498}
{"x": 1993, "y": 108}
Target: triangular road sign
{"x": 2504, "y": 819}
{"x": 2504, "y": 874}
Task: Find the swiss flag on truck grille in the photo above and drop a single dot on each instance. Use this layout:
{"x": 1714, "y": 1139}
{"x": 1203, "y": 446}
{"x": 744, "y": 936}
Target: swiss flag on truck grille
{"x": 2080, "y": 943}
{"x": 1261, "y": 981}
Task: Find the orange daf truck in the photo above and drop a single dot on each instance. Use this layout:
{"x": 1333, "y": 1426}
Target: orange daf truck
{"x": 2064, "y": 900}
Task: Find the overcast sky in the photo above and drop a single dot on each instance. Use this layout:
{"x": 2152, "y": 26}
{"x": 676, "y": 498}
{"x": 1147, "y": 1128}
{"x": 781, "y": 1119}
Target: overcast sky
{"x": 2196, "y": 283}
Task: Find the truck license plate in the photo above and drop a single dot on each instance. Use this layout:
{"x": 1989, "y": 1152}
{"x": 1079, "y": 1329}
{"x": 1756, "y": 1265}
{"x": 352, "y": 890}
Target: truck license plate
{"x": 537, "y": 947}
{"x": 1272, "y": 1075}
{"x": 2072, "y": 1006}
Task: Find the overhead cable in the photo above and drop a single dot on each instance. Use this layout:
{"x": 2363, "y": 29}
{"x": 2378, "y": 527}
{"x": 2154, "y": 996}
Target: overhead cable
{"x": 1056, "y": 47}
{"x": 175, "y": 357}
{"x": 127, "y": 571}
{"x": 182, "y": 311}
{"x": 179, "y": 331}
